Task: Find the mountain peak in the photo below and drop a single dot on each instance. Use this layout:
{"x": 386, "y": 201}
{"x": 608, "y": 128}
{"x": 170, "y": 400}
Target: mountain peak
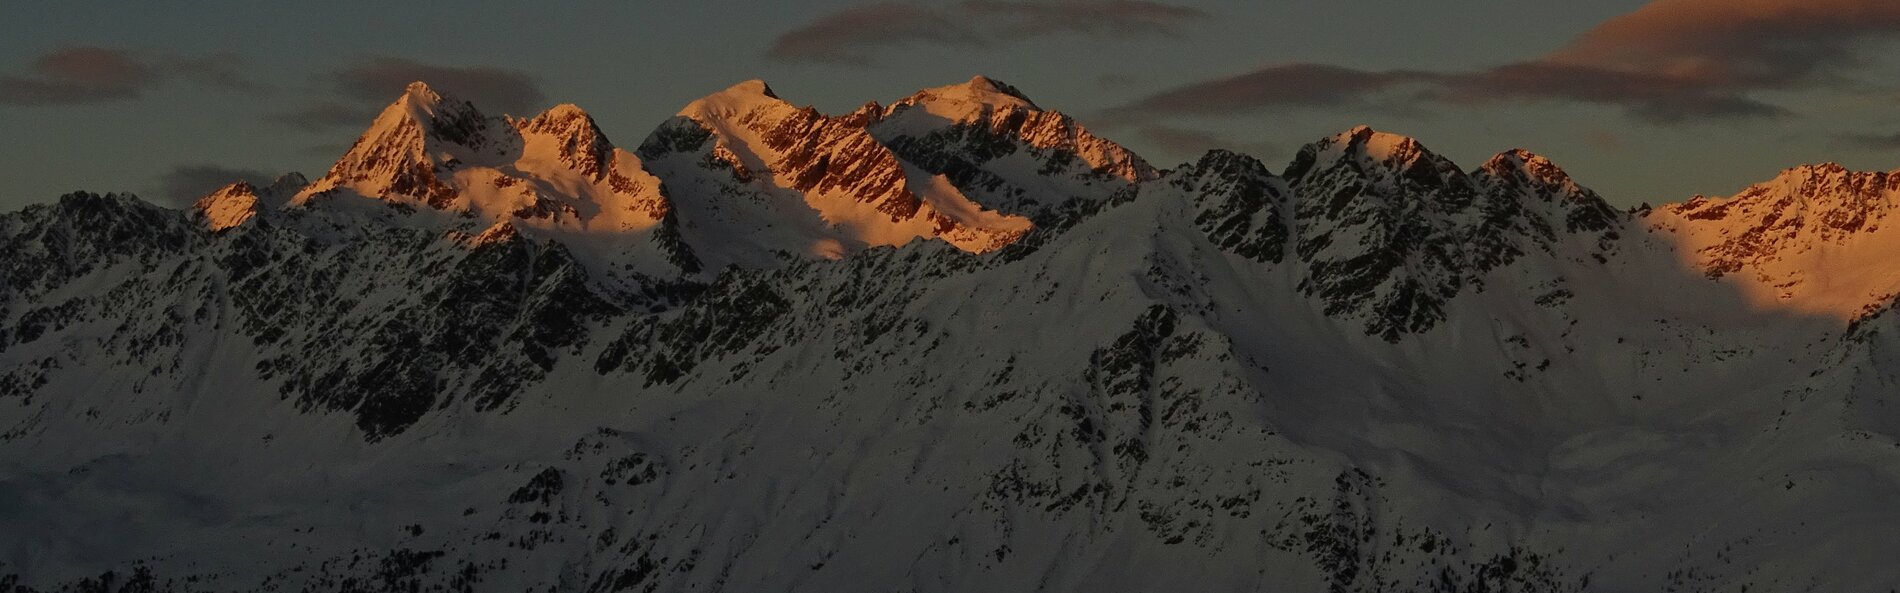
{"x": 439, "y": 114}
{"x": 1814, "y": 170}
{"x": 979, "y": 90}
{"x": 1829, "y": 178}
{"x": 1773, "y": 227}
{"x": 753, "y": 87}
{"x": 291, "y": 181}
{"x": 1382, "y": 145}
{"x": 421, "y": 92}
{"x": 1364, "y": 149}
{"x": 424, "y": 103}
{"x": 984, "y": 85}
{"x": 564, "y": 119}
{"x": 564, "y": 111}
{"x": 1531, "y": 164}
{"x": 229, "y": 206}
{"x": 739, "y": 98}
{"x": 1519, "y": 155}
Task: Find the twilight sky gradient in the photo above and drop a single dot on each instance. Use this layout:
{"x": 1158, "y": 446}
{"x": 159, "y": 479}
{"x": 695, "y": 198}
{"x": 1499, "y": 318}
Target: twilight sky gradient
{"x": 1644, "y": 101}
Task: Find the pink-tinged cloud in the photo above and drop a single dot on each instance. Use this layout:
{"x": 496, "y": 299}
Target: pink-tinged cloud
{"x": 358, "y": 91}
{"x": 1299, "y": 85}
{"x": 860, "y": 34}
{"x": 855, "y": 35}
{"x": 1192, "y": 142}
{"x": 1119, "y": 17}
{"x": 78, "y": 75}
{"x": 1604, "y": 140}
{"x": 1670, "y": 61}
{"x": 85, "y": 74}
{"x": 1736, "y": 43}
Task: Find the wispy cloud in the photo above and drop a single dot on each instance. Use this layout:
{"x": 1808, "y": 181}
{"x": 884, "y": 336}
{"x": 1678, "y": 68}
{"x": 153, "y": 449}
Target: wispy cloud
{"x": 1604, "y": 140}
{"x": 1297, "y": 85}
{"x": 1670, "y": 61}
{"x": 857, "y": 35}
{"x": 1023, "y": 19}
{"x": 355, "y": 93}
{"x": 325, "y": 115}
{"x": 1188, "y": 142}
{"x": 184, "y": 184}
{"x": 87, "y": 74}
{"x": 1875, "y": 141}
{"x": 381, "y": 79}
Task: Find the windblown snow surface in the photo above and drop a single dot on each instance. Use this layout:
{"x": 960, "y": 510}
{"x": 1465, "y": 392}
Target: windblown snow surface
{"x": 958, "y": 343}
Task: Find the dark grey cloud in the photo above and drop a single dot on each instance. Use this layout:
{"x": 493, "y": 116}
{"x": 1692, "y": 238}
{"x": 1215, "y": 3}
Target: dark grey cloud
{"x": 1188, "y": 143}
{"x": 1875, "y": 141}
{"x": 1670, "y": 61}
{"x": 220, "y": 70}
{"x": 326, "y": 115}
{"x": 327, "y": 149}
{"x": 1649, "y": 97}
{"x": 497, "y": 89}
{"x": 1660, "y": 98}
{"x": 354, "y": 94}
{"x": 1604, "y": 140}
{"x": 79, "y": 75}
{"x": 1296, "y": 85}
{"x": 86, "y": 74}
{"x": 857, "y": 35}
{"x": 184, "y": 184}
{"x": 1020, "y": 19}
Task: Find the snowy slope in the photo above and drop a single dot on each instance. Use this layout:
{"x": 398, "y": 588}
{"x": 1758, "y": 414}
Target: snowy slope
{"x": 1376, "y": 372}
{"x": 1806, "y": 239}
{"x": 988, "y": 140}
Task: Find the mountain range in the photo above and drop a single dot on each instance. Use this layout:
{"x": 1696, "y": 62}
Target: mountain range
{"x": 953, "y": 343}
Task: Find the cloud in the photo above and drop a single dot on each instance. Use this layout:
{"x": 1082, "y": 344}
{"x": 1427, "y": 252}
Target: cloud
{"x": 86, "y": 74}
{"x": 1302, "y": 85}
{"x": 220, "y": 70}
{"x": 79, "y": 75}
{"x": 857, "y": 35}
{"x": 1669, "y": 61}
{"x": 325, "y": 115}
{"x": 1604, "y": 140}
{"x": 1191, "y": 142}
{"x": 1736, "y": 43}
{"x": 357, "y": 92}
{"x": 1648, "y": 97}
{"x": 1658, "y": 98}
{"x": 1022, "y": 19}
{"x": 327, "y": 149}
{"x": 1875, "y": 141}
{"x": 184, "y": 184}
{"x": 380, "y": 80}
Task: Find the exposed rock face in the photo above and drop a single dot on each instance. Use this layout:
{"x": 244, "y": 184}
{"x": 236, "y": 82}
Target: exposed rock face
{"x": 1381, "y": 224}
{"x": 238, "y": 202}
{"x": 1001, "y": 149}
{"x": 1804, "y": 206}
{"x": 862, "y": 194}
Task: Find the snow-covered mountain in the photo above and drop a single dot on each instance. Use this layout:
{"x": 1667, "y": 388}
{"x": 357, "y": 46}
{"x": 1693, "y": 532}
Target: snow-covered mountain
{"x": 958, "y": 343}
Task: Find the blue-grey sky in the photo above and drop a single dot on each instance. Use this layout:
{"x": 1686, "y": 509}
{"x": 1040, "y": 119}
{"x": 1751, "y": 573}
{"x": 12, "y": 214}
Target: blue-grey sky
{"x": 1644, "y": 101}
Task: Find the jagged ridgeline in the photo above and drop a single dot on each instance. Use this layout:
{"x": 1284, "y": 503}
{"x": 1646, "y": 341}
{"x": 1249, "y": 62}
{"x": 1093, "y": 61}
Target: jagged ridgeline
{"x": 954, "y": 343}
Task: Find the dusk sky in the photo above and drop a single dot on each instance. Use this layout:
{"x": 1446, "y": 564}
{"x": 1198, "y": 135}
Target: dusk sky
{"x": 1646, "y": 102}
